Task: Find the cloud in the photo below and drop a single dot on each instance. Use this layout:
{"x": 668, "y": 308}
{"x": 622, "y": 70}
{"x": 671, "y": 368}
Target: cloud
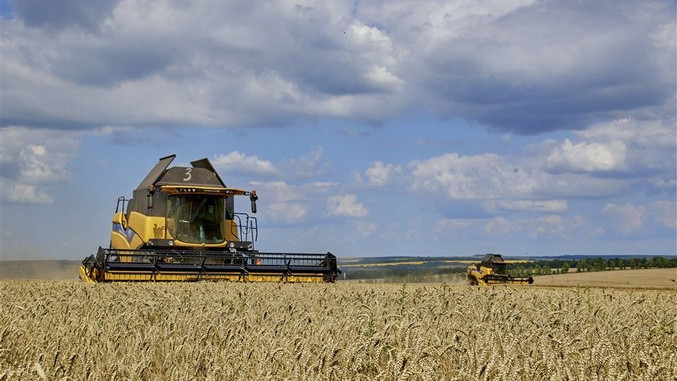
{"x": 499, "y": 226}
{"x": 534, "y": 66}
{"x": 548, "y": 225}
{"x": 23, "y": 194}
{"x": 664, "y": 214}
{"x": 476, "y": 177}
{"x": 283, "y": 202}
{"x": 31, "y": 160}
{"x": 238, "y": 163}
{"x": 621, "y": 146}
{"x": 379, "y": 174}
{"x": 520, "y": 66}
{"x": 83, "y": 14}
{"x": 365, "y": 229}
{"x": 198, "y": 64}
{"x": 346, "y": 206}
{"x": 629, "y": 218}
{"x": 307, "y": 166}
{"x": 588, "y": 157}
{"x": 447, "y": 224}
{"x": 288, "y": 203}
{"x": 551, "y": 225}
{"x": 548, "y": 206}
{"x": 622, "y": 157}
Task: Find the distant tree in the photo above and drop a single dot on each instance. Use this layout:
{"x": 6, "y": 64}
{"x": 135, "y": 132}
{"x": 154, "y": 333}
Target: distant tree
{"x": 649, "y": 263}
{"x": 519, "y": 271}
{"x": 565, "y": 267}
{"x": 660, "y": 262}
{"x": 633, "y": 263}
{"x": 599, "y": 264}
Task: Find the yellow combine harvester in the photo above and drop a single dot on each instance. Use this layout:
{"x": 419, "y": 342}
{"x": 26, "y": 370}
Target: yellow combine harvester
{"x": 181, "y": 225}
{"x": 492, "y": 270}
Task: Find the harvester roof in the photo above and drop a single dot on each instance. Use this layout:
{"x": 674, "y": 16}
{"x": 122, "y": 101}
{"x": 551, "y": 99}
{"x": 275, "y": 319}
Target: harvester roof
{"x": 199, "y": 177}
{"x": 493, "y": 258}
{"x": 202, "y": 173}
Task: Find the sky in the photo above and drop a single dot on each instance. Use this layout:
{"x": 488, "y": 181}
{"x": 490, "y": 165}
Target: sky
{"x": 367, "y": 128}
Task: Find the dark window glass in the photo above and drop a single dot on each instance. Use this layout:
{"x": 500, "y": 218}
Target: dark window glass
{"x": 196, "y": 219}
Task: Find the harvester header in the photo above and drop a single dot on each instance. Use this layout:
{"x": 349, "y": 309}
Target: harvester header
{"x": 181, "y": 225}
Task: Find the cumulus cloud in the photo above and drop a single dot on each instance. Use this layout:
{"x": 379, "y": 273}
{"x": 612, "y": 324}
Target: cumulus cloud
{"x": 588, "y": 157}
{"x": 628, "y": 217}
{"x": 346, "y": 206}
{"x": 530, "y": 66}
{"x": 307, "y": 166}
{"x": 31, "y": 160}
{"x": 605, "y": 160}
{"x": 289, "y": 203}
{"x": 197, "y": 64}
{"x": 521, "y": 66}
{"x": 548, "y": 225}
{"x": 296, "y": 204}
{"x": 485, "y": 176}
{"x": 664, "y": 214}
{"x": 379, "y": 174}
{"x": 624, "y": 145}
{"x": 236, "y": 162}
{"x": 499, "y": 226}
{"x": 365, "y": 229}
{"x": 23, "y": 194}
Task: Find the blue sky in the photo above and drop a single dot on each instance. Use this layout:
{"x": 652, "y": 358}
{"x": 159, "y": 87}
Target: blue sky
{"x": 379, "y": 128}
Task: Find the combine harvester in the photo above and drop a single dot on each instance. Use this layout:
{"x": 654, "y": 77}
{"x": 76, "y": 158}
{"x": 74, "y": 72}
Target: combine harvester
{"x": 492, "y": 270}
{"x": 181, "y": 225}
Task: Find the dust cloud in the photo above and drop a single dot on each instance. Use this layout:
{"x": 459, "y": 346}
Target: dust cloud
{"x": 39, "y": 270}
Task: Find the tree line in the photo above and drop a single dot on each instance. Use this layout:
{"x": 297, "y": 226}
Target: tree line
{"x": 563, "y": 266}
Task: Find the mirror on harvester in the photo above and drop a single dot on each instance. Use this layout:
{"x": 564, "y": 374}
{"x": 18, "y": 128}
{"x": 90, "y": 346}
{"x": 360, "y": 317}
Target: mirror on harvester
{"x": 253, "y": 197}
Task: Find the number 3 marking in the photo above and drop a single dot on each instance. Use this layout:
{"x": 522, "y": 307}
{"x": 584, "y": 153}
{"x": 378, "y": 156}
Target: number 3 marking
{"x": 188, "y": 175}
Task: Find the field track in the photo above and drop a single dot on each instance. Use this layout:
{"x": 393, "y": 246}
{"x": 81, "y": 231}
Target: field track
{"x": 57, "y": 330}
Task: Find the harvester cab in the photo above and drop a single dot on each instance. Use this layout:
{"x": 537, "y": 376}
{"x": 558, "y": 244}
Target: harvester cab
{"x": 493, "y": 270}
{"x": 181, "y": 225}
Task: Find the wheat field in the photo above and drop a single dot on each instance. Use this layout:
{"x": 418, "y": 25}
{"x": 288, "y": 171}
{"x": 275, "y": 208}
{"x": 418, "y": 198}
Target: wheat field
{"x": 638, "y": 278}
{"x": 62, "y": 330}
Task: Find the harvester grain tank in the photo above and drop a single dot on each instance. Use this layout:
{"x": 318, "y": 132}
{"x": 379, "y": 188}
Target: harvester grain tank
{"x": 492, "y": 270}
{"x": 181, "y": 225}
